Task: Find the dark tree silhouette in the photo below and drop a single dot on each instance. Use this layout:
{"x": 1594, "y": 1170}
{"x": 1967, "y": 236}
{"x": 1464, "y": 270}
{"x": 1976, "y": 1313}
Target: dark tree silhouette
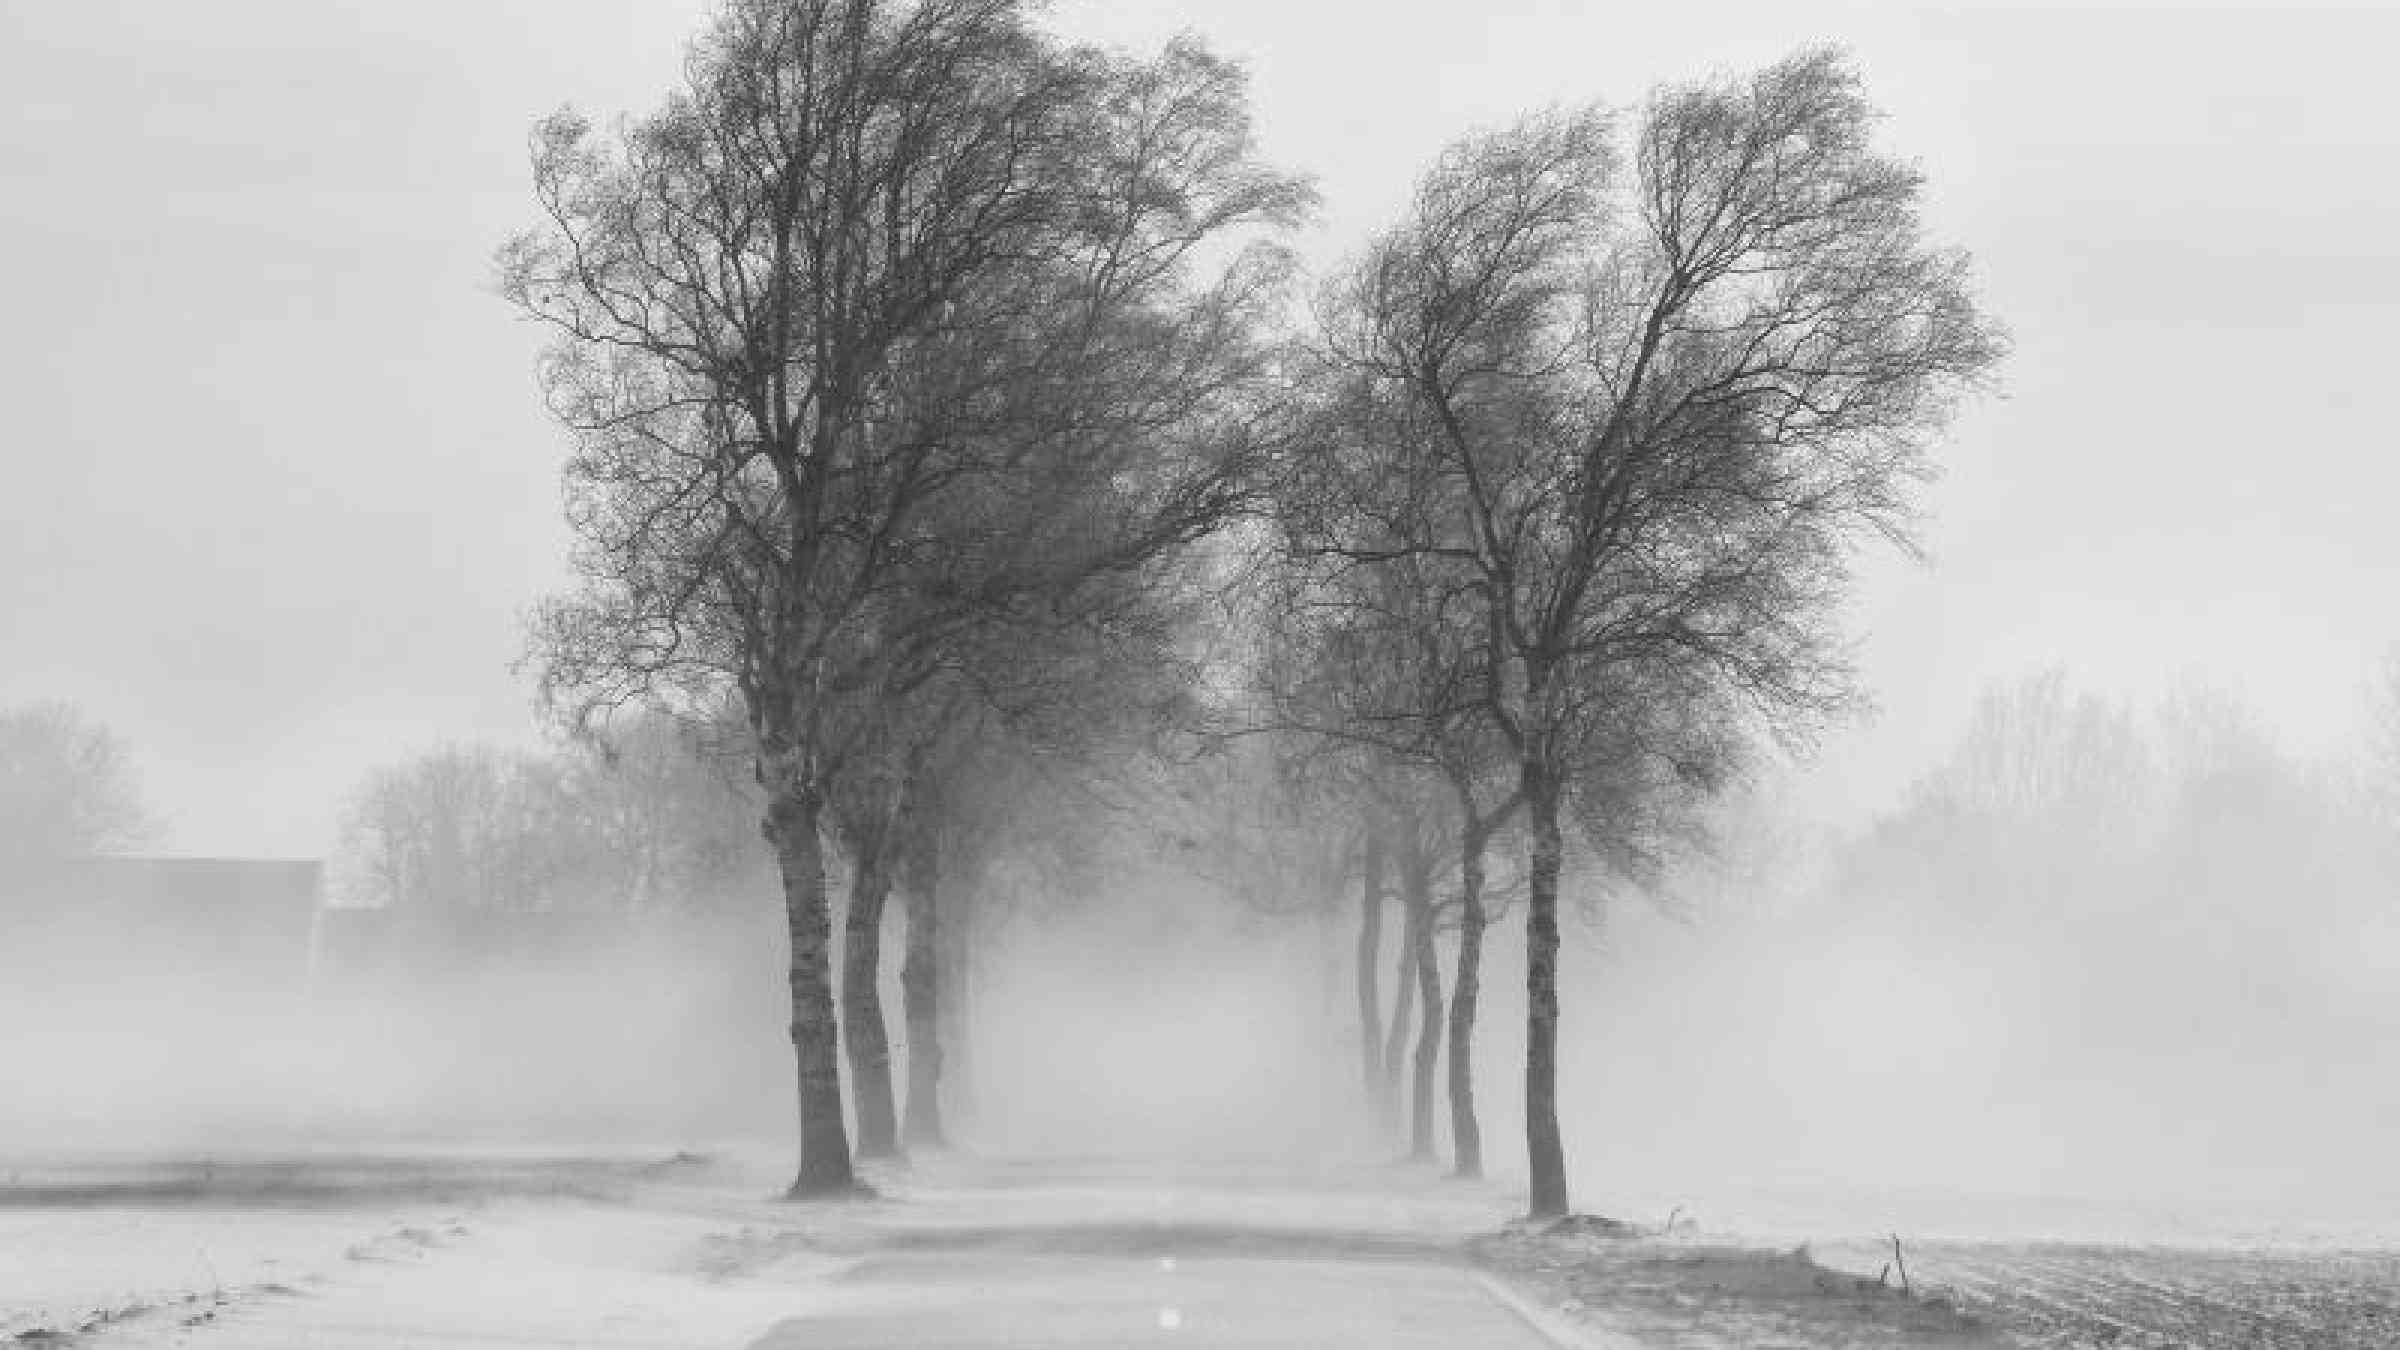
{"x": 891, "y": 326}
{"x": 1645, "y": 415}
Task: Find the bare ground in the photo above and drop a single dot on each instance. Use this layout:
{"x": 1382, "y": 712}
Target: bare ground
{"x": 1697, "y": 1296}
{"x": 329, "y": 1251}
{"x": 2154, "y": 1298}
{"x": 1691, "y": 1295}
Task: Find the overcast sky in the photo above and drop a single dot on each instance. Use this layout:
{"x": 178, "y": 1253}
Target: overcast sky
{"x": 278, "y": 489}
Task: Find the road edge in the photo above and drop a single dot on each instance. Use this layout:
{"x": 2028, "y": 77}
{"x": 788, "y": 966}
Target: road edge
{"x": 1551, "y": 1326}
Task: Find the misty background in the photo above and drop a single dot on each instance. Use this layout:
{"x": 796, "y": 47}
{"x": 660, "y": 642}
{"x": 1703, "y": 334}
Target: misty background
{"x": 2099, "y": 906}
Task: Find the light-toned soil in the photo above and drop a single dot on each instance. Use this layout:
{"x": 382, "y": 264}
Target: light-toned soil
{"x": 2157, "y": 1298}
{"x": 1699, "y": 1296}
{"x": 344, "y": 1252}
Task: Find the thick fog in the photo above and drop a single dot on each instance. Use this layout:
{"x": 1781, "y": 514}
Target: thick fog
{"x": 1173, "y": 1028}
{"x": 639, "y": 1041}
{"x": 2112, "y": 971}
{"x": 2085, "y": 931}
{"x": 1089, "y": 1042}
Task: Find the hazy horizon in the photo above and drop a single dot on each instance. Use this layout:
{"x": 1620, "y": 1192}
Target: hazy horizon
{"x": 1135, "y": 799}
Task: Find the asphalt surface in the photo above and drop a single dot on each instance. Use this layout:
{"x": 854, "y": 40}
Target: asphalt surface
{"x": 956, "y": 1300}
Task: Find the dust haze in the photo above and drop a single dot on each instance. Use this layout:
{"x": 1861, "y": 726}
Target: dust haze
{"x": 2113, "y": 971}
{"x": 878, "y": 672}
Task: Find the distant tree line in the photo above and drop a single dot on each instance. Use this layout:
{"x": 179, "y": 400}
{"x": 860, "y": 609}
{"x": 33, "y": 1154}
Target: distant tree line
{"x": 652, "y": 821}
{"x": 2249, "y": 887}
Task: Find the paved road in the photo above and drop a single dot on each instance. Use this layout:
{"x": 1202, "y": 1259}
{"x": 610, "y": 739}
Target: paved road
{"x": 1039, "y": 1254}
{"x": 957, "y": 1299}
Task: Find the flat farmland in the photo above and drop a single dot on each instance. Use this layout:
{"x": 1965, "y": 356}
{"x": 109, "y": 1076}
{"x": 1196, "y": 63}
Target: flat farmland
{"x": 2139, "y": 1298}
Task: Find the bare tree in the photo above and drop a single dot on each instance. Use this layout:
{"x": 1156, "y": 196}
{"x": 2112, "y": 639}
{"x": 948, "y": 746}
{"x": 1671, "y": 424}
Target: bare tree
{"x": 840, "y": 329}
{"x": 675, "y": 811}
{"x": 1368, "y": 661}
{"x": 940, "y": 822}
{"x": 463, "y": 833}
{"x": 1389, "y": 660}
{"x": 1408, "y": 867}
{"x": 1478, "y": 824}
{"x": 641, "y": 818}
{"x": 871, "y": 811}
{"x": 1422, "y": 848}
{"x": 982, "y": 796}
{"x": 1308, "y": 672}
{"x": 999, "y": 749}
{"x": 1653, "y": 411}
{"x": 1370, "y": 947}
{"x": 67, "y": 789}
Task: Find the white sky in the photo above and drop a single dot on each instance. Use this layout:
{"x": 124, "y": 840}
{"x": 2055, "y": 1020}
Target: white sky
{"x": 278, "y": 489}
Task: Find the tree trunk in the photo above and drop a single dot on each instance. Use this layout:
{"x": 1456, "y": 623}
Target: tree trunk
{"x": 1545, "y": 1157}
{"x": 1429, "y": 1031}
{"x": 953, "y": 945}
{"x": 1404, "y": 1002}
{"x": 1370, "y": 947}
{"x": 1466, "y": 1134}
{"x": 864, "y": 1036}
{"x": 920, "y": 998}
{"x": 791, "y": 827}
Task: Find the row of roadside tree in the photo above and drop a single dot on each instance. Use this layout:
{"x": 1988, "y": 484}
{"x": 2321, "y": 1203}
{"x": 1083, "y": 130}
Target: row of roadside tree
{"x": 940, "y": 391}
